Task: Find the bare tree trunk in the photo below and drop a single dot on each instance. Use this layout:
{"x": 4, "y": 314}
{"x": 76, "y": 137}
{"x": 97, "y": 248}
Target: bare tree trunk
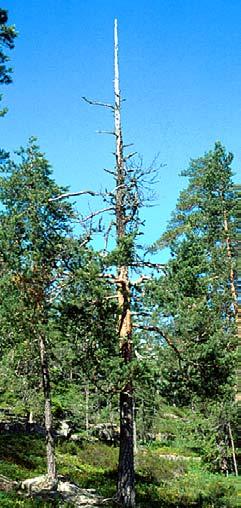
{"x": 51, "y": 465}
{"x": 87, "y": 407}
{"x": 235, "y": 467}
{"x": 125, "y": 485}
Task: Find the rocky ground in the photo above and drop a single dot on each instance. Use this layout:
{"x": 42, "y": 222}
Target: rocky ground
{"x": 69, "y": 492}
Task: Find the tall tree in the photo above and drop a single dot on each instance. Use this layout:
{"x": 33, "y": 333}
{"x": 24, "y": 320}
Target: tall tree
{"x": 237, "y": 241}
{"x": 196, "y": 296}
{"x": 33, "y": 249}
{"x": 125, "y": 488}
{"x": 132, "y": 187}
{"x": 238, "y": 288}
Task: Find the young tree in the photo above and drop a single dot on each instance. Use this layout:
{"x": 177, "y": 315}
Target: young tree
{"x": 86, "y": 325}
{"x": 33, "y": 249}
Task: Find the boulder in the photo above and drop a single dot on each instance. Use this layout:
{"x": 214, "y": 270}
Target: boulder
{"x": 69, "y": 492}
{"x": 86, "y": 498}
{"x": 39, "y": 485}
{"x": 7, "y": 485}
{"x": 64, "y": 429}
{"x": 106, "y": 432}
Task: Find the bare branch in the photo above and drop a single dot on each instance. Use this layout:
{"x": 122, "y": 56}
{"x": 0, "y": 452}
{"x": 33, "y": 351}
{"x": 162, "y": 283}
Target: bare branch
{"x": 107, "y": 276}
{"x": 152, "y": 328}
{"x": 113, "y": 191}
{"x": 109, "y": 171}
{"x": 112, "y": 279}
{"x": 85, "y": 242}
{"x": 129, "y": 156}
{"x": 71, "y": 194}
{"x": 129, "y": 144}
{"x": 107, "y": 234}
{"x": 140, "y": 280}
{"x": 97, "y": 103}
{"x": 111, "y": 297}
{"x": 106, "y": 132}
{"x": 149, "y": 264}
{"x": 94, "y": 214}
{"x": 140, "y": 313}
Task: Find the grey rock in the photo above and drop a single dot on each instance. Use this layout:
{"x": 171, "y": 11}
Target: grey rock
{"x": 39, "y": 485}
{"x": 69, "y": 492}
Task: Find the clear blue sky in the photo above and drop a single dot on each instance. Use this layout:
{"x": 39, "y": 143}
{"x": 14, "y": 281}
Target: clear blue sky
{"x": 180, "y": 63}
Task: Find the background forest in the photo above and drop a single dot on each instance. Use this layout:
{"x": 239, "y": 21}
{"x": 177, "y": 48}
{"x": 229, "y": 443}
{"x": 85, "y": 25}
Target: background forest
{"x": 117, "y": 369}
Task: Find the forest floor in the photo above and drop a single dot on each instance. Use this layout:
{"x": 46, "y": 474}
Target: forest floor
{"x": 166, "y": 477}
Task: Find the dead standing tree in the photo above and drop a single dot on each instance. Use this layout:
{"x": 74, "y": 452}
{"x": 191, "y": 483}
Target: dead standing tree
{"x": 123, "y": 217}
{"x": 125, "y": 487}
{"x": 124, "y": 202}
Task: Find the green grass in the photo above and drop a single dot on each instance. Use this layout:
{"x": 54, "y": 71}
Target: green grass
{"x": 161, "y": 482}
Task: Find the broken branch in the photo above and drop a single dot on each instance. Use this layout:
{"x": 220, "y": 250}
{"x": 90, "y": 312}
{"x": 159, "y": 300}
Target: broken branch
{"x": 94, "y": 214}
{"x": 97, "y": 103}
{"x": 71, "y": 194}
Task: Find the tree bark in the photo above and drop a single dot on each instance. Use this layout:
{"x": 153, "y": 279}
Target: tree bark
{"x": 126, "y": 475}
{"x": 51, "y": 464}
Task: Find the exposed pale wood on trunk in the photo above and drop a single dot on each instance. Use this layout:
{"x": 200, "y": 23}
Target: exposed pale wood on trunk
{"x": 237, "y": 310}
{"x": 125, "y": 486}
{"x": 238, "y": 324}
{"x": 230, "y": 257}
{"x": 233, "y": 450}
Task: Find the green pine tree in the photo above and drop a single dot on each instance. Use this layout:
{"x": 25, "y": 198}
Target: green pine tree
{"x": 194, "y": 301}
{"x": 34, "y": 245}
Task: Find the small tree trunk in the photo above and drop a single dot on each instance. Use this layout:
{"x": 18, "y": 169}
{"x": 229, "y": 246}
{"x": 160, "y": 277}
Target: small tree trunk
{"x": 87, "y": 407}
{"x": 134, "y": 430}
{"x": 235, "y": 467}
{"x": 30, "y": 418}
{"x": 51, "y": 464}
